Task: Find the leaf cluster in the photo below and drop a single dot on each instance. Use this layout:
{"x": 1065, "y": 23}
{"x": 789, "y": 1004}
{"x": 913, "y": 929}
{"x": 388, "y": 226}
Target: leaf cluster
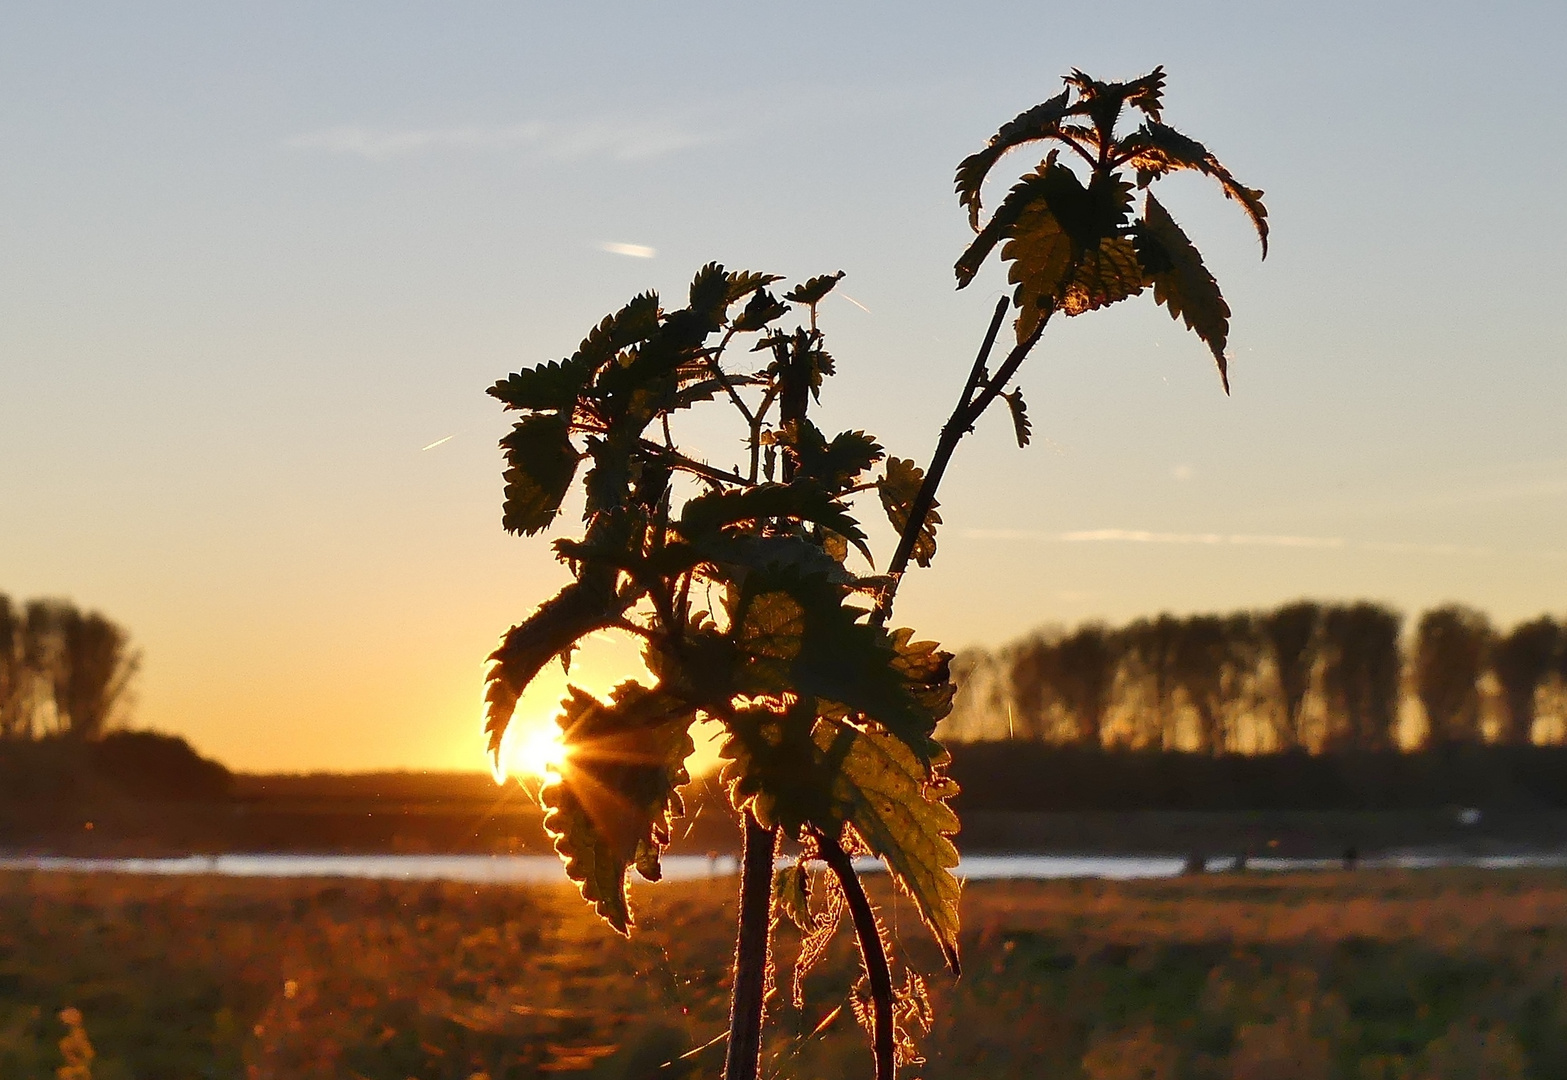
{"x": 1076, "y": 244}
{"x": 740, "y": 584}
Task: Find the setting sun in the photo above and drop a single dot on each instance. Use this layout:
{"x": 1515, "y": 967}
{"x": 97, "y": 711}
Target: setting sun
{"x": 537, "y": 750}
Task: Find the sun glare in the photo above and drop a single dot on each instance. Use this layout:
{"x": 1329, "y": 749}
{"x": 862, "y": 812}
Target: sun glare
{"x": 537, "y": 751}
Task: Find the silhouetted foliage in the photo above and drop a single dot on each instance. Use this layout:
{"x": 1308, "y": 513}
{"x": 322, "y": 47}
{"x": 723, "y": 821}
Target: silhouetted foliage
{"x": 1452, "y": 647}
{"x": 1307, "y": 676}
{"x": 739, "y": 581}
{"x": 1292, "y": 633}
{"x": 141, "y": 765}
{"x": 62, "y": 671}
{"x": 1361, "y": 664}
{"x": 1523, "y": 660}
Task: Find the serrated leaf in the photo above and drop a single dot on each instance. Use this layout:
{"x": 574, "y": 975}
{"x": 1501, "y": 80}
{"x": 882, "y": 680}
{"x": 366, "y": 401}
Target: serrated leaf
{"x": 709, "y": 294}
{"x": 898, "y": 806}
{"x": 1183, "y": 285}
{"x": 541, "y": 464}
{"x": 620, "y": 774}
{"x": 762, "y": 309}
{"x": 551, "y": 386}
{"x": 1020, "y": 422}
{"x": 812, "y": 290}
{"x": 803, "y": 500}
{"x": 837, "y": 464}
{"x": 578, "y": 610}
{"x": 1155, "y": 150}
{"x": 897, "y": 488}
{"x": 633, "y": 323}
{"x": 744, "y": 282}
{"x": 792, "y": 895}
{"x": 1040, "y": 122}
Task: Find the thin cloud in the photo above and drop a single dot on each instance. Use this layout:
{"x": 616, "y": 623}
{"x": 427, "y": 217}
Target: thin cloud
{"x": 615, "y": 139}
{"x": 1144, "y": 536}
{"x": 635, "y": 251}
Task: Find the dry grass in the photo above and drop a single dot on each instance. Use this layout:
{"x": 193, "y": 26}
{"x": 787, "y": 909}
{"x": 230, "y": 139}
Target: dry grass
{"x": 1418, "y": 976}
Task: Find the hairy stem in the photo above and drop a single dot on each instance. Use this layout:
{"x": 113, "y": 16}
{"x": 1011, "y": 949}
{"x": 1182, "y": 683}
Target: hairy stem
{"x": 756, "y": 892}
{"x": 872, "y": 954}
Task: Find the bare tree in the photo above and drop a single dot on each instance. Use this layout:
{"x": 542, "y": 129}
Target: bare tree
{"x": 1214, "y": 656}
{"x": 1292, "y": 633}
{"x": 1522, "y": 661}
{"x": 1034, "y": 681}
{"x": 1452, "y": 647}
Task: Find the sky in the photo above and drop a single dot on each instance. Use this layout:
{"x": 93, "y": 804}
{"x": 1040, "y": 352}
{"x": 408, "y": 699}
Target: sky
{"x": 260, "y": 263}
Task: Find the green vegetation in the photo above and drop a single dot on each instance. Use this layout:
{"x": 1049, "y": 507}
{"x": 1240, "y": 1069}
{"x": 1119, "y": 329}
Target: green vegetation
{"x": 1430, "y": 976}
{"x": 741, "y": 582}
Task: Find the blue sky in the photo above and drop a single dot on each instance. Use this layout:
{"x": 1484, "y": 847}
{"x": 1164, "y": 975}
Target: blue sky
{"x": 257, "y": 257}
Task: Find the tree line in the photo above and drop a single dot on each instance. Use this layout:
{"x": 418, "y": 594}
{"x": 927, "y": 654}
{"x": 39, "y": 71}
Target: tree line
{"x": 1306, "y": 676}
{"x": 63, "y": 672}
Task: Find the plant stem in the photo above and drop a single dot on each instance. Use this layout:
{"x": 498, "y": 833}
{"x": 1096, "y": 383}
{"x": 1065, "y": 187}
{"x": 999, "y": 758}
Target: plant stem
{"x": 968, "y": 410}
{"x": 756, "y": 892}
{"x": 872, "y": 954}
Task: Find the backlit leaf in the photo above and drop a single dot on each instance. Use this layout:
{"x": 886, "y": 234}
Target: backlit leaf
{"x": 631, "y": 324}
{"x": 763, "y": 309}
{"x": 744, "y": 282}
{"x": 618, "y": 791}
{"x": 897, "y": 488}
{"x": 802, "y": 500}
{"x": 1040, "y": 122}
{"x": 559, "y": 623}
{"x": 812, "y": 290}
{"x": 551, "y": 386}
{"x": 1155, "y": 150}
{"x": 541, "y": 464}
{"x": 1182, "y": 283}
{"x": 791, "y": 895}
{"x": 898, "y": 806}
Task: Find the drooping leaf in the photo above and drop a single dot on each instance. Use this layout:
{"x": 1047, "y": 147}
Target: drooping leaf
{"x": 620, "y": 775}
{"x": 559, "y": 623}
{"x": 1020, "y": 422}
{"x": 541, "y": 463}
{"x": 1182, "y": 283}
{"x": 898, "y": 487}
{"x": 792, "y": 896}
{"x": 1155, "y": 150}
{"x": 898, "y": 806}
{"x": 1040, "y": 122}
{"x": 813, "y": 289}
{"x": 802, "y": 500}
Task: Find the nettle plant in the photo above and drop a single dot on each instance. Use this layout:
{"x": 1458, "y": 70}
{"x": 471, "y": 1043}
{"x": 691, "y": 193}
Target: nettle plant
{"x": 741, "y": 582}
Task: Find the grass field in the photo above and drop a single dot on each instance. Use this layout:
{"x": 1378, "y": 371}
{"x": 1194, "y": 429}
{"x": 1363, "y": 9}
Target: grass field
{"x": 1439, "y": 974}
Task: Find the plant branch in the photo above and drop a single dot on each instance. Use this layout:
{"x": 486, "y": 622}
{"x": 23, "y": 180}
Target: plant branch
{"x": 676, "y": 460}
{"x": 712, "y": 358}
{"x": 756, "y": 893}
{"x": 968, "y": 410}
{"x": 872, "y": 953}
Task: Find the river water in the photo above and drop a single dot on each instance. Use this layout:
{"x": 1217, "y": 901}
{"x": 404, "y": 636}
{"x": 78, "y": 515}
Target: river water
{"x": 533, "y": 869}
